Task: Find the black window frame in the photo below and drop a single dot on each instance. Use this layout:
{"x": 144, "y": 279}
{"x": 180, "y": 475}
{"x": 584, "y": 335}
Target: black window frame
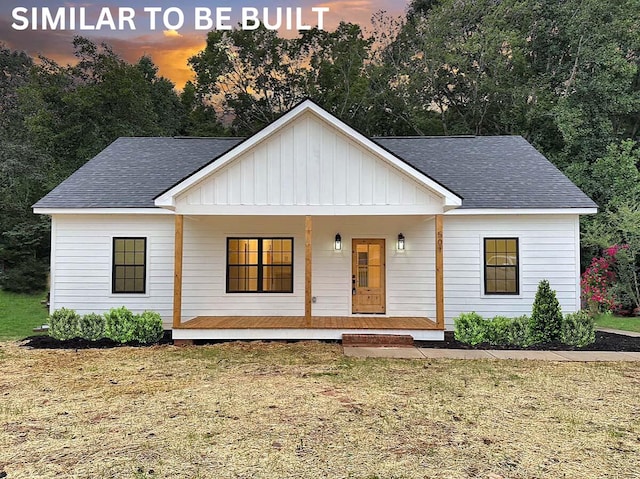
{"x": 496, "y": 267}
{"x": 260, "y": 264}
{"x": 114, "y": 266}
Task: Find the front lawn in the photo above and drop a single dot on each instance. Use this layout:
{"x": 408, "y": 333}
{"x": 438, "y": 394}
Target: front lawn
{"x": 302, "y": 410}
{"x": 20, "y": 313}
{"x": 618, "y": 322}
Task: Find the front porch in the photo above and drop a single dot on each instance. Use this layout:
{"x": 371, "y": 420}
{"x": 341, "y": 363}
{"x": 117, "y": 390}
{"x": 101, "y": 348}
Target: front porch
{"x": 299, "y": 327}
{"x": 325, "y": 284}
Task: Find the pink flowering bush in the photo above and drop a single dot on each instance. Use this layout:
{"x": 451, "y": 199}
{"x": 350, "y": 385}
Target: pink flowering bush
{"x": 598, "y": 282}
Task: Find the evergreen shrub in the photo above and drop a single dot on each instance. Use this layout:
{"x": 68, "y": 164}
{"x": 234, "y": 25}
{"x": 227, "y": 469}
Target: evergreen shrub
{"x": 63, "y": 324}
{"x": 471, "y": 328}
{"x": 545, "y": 323}
{"x": 578, "y": 329}
{"x": 148, "y": 327}
{"x": 91, "y": 327}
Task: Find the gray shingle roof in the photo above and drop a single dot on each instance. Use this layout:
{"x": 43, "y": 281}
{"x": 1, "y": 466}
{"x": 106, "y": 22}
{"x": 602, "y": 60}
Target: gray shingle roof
{"x": 490, "y": 171}
{"x": 131, "y": 172}
{"x": 487, "y": 172}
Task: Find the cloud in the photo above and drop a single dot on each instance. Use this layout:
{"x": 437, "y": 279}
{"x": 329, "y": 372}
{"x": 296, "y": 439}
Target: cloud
{"x": 171, "y": 33}
{"x": 169, "y": 52}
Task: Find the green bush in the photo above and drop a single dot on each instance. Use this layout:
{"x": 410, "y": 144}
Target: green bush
{"x": 517, "y": 333}
{"x": 120, "y": 325}
{"x": 63, "y": 324}
{"x": 148, "y": 327}
{"x": 497, "y": 330}
{"x": 545, "y": 322}
{"x": 91, "y": 327}
{"x": 578, "y": 329}
{"x": 471, "y": 328}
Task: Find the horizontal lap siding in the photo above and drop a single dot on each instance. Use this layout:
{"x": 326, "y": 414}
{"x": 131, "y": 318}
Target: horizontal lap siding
{"x": 82, "y": 262}
{"x": 205, "y": 268}
{"x": 410, "y": 277}
{"x": 548, "y": 250}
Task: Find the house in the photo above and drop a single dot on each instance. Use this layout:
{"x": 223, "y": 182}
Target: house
{"x": 309, "y": 229}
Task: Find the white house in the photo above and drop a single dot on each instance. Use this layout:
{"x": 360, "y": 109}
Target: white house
{"x": 309, "y": 229}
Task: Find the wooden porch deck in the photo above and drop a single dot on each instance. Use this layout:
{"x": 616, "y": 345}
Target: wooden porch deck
{"x": 316, "y": 322}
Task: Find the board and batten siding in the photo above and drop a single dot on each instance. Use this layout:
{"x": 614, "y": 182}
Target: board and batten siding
{"x": 81, "y": 262}
{"x": 549, "y": 249}
{"x": 308, "y": 163}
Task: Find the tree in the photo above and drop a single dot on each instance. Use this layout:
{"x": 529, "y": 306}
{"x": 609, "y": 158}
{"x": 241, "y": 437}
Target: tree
{"x": 255, "y": 76}
{"x": 54, "y": 118}
{"x": 23, "y": 176}
{"x": 545, "y": 324}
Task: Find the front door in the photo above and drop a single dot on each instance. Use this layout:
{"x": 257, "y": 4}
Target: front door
{"x": 367, "y": 281}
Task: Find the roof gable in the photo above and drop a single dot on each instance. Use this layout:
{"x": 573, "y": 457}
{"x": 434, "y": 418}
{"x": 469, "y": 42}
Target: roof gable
{"x": 308, "y": 157}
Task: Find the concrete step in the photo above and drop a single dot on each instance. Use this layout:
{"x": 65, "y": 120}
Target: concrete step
{"x": 377, "y": 340}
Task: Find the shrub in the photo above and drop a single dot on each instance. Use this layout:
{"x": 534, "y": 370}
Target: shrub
{"x": 578, "y": 329}
{"x": 546, "y": 316}
{"x": 517, "y": 333}
{"x": 63, "y": 324}
{"x": 91, "y": 327}
{"x": 497, "y": 330}
{"x": 471, "y": 328}
{"x": 148, "y": 327}
{"x": 597, "y": 281}
{"x": 120, "y": 325}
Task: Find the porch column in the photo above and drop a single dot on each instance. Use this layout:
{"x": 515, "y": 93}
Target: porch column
{"x": 177, "y": 271}
{"x": 439, "y": 274}
{"x": 307, "y": 269}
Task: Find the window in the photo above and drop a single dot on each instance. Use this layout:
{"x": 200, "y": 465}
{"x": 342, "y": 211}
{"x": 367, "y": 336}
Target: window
{"x": 501, "y": 264}
{"x": 129, "y": 265}
{"x": 260, "y": 265}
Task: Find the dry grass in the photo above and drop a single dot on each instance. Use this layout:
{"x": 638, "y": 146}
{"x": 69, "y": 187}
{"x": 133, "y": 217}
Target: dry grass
{"x": 302, "y": 410}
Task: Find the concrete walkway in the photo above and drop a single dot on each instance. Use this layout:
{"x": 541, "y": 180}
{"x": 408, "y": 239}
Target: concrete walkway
{"x": 432, "y": 353}
{"x": 633, "y": 334}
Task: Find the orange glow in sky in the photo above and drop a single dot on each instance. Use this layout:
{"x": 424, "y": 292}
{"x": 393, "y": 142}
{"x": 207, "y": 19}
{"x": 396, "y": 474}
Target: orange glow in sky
{"x": 169, "y": 49}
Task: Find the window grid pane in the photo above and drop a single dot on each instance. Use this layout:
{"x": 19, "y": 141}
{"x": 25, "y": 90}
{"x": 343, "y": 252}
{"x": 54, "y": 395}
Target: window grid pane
{"x": 501, "y": 265}
{"x": 129, "y": 265}
{"x": 260, "y": 265}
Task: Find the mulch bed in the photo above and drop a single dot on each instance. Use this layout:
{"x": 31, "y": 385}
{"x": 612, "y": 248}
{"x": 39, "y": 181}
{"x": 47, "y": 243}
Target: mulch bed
{"x": 604, "y": 342}
{"x": 47, "y": 342}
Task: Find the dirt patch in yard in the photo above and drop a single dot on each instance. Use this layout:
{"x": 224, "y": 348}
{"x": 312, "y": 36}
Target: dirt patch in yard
{"x": 604, "y": 342}
{"x": 302, "y": 410}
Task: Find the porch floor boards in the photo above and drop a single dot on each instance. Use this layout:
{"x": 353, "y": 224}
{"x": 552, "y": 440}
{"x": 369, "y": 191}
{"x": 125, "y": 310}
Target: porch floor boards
{"x": 316, "y": 322}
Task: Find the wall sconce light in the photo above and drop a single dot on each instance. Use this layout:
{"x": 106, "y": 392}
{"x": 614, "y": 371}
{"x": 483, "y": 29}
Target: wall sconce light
{"x": 400, "y": 242}
{"x": 338, "y": 243}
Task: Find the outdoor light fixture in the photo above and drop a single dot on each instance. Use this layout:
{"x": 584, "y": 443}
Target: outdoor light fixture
{"x": 400, "y": 242}
{"x": 338, "y": 244}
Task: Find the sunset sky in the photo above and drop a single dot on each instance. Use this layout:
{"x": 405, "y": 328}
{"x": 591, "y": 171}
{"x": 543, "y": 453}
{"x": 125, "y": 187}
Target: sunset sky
{"x": 169, "y": 49}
